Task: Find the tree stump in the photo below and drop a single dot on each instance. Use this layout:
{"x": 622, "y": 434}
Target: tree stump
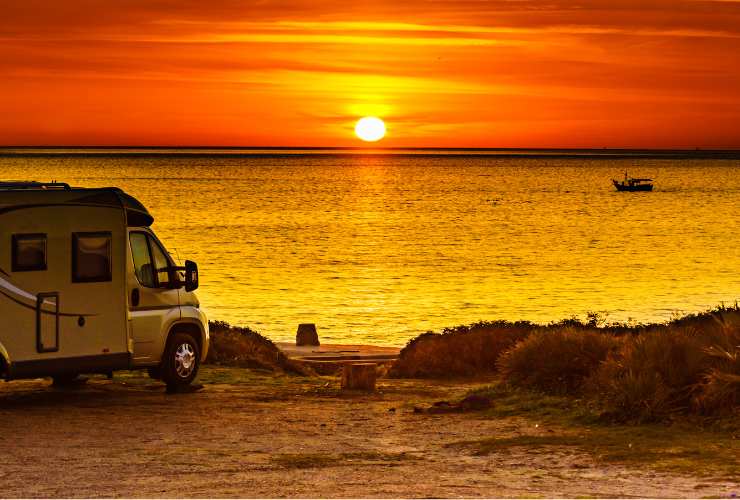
{"x": 359, "y": 376}
{"x": 307, "y": 335}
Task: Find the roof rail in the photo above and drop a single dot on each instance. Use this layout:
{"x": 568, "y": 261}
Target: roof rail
{"x": 12, "y": 185}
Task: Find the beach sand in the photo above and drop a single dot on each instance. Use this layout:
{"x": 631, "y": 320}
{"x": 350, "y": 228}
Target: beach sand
{"x": 252, "y": 434}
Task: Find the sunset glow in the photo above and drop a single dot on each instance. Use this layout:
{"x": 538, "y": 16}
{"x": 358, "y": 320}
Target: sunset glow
{"x": 660, "y": 73}
{"x": 311, "y": 249}
{"x": 370, "y": 129}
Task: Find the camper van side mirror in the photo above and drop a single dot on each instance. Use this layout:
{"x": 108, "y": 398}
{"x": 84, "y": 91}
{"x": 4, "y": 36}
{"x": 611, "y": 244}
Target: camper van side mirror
{"x": 191, "y": 275}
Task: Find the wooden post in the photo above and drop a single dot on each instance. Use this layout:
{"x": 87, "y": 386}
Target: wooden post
{"x": 306, "y": 335}
{"x": 359, "y": 376}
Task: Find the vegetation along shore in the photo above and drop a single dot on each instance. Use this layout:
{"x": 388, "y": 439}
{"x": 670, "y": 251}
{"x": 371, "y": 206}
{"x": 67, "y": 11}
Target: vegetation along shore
{"x": 628, "y": 373}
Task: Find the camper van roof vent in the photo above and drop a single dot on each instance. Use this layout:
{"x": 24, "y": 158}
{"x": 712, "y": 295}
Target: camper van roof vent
{"x": 8, "y": 185}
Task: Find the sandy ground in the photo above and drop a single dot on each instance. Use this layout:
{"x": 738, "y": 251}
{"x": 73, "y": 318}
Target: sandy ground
{"x": 338, "y": 350}
{"x": 254, "y": 437}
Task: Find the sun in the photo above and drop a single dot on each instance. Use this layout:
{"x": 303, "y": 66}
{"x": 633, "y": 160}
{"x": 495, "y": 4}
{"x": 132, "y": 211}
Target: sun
{"x": 370, "y": 129}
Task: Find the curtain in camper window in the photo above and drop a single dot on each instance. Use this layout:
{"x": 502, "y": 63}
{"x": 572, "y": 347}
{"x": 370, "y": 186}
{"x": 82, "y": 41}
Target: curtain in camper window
{"x": 91, "y": 257}
{"x": 142, "y": 260}
{"x": 28, "y": 252}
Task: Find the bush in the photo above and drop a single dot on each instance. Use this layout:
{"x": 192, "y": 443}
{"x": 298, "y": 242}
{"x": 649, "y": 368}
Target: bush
{"x": 474, "y": 349}
{"x": 719, "y": 390}
{"x": 674, "y": 370}
{"x": 243, "y": 347}
{"x": 636, "y": 372}
{"x": 556, "y": 361}
{"x": 461, "y": 351}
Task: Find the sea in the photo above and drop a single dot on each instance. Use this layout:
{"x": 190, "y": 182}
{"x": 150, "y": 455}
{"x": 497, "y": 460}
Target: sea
{"x": 378, "y": 246}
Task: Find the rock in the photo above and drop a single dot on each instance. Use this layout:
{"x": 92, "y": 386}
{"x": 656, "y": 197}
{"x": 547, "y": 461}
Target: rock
{"x": 475, "y": 402}
{"x": 307, "y": 335}
{"x": 359, "y": 376}
{"x": 442, "y": 404}
{"x": 442, "y": 407}
{"x": 470, "y": 403}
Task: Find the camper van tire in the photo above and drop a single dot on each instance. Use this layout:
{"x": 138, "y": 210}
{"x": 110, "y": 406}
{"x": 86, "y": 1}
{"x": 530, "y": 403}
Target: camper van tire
{"x": 181, "y": 360}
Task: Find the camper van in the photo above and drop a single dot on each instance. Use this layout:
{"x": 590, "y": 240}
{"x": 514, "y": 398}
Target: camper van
{"x": 87, "y": 287}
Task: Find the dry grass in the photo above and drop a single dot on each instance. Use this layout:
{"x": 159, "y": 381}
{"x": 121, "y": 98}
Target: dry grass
{"x": 676, "y": 370}
{"x": 652, "y": 376}
{"x": 719, "y": 391}
{"x": 704, "y": 454}
{"x": 243, "y": 347}
{"x": 461, "y": 351}
{"x": 691, "y": 445}
{"x": 464, "y": 351}
{"x": 672, "y": 371}
{"x": 643, "y": 373}
{"x": 556, "y": 361}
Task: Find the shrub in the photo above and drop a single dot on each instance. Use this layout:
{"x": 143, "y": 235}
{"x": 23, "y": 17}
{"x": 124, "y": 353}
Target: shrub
{"x": 243, "y": 347}
{"x": 668, "y": 371}
{"x": 638, "y": 396}
{"x": 637, "y": 372}
{"x": 461, "y": 351}
{"x": 719, "y": 390}
{"x": 556, "y": 360}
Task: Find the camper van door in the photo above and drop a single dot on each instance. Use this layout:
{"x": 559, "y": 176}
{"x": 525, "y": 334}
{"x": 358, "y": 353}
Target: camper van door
{"x": 154, "y": 303}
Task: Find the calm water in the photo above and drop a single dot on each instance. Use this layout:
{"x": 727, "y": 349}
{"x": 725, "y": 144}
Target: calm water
{"x": 378, "y": 248}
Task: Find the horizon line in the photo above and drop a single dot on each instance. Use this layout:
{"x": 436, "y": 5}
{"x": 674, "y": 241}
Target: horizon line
{"x": 381, "y": 148}
{"x": 352, "y": 151}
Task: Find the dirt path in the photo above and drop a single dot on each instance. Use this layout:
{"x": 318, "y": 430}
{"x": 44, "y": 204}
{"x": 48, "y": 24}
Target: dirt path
{"x": 258, "y": 437}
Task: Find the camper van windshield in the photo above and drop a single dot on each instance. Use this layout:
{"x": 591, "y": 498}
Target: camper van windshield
{"x": 142, "y": 261}
{"x": 161, "y": 263}
{"x": 151, "y": 265}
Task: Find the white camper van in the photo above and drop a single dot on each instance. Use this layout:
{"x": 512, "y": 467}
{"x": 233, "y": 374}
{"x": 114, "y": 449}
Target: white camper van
{"x": 87, "y": 287}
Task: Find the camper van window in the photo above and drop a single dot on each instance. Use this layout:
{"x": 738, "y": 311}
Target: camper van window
{"x": 161, "y": 263}
{"x": 28, "y": 252}
{"x": 91, "y": 257}
{"x": 142, "y": 260}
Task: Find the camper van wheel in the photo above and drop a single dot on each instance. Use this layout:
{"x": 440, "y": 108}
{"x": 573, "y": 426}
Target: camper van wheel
{"x": 181, "y": 360}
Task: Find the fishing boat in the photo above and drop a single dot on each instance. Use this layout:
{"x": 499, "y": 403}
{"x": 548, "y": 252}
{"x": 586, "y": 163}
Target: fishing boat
{"x": 633, "y": 184}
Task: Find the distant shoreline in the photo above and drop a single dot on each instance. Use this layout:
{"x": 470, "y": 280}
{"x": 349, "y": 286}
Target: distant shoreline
{"x": 310, "y": 151}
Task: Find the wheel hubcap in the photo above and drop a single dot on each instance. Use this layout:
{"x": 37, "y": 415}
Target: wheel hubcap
{"x": 184, "y": 360}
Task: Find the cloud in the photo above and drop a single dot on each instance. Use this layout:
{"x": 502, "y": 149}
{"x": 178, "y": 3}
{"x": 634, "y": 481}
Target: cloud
{"x": 658, "y": 60}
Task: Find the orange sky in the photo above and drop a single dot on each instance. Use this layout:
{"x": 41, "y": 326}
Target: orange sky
{"x": 499, "y": 73}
